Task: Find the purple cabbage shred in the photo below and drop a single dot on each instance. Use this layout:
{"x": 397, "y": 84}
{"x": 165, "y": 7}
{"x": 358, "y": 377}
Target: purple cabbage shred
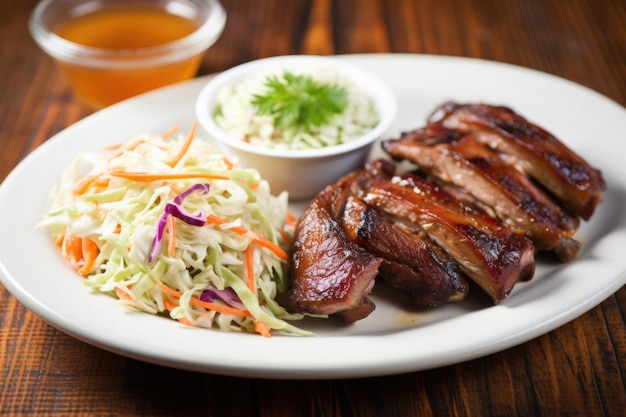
{"x": 173, "y": 208}
{"x": 227, "y": 295}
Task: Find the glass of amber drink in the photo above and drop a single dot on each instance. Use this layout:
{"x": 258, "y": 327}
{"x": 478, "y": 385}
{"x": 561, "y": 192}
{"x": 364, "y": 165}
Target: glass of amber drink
{"x": 111, "y": 50}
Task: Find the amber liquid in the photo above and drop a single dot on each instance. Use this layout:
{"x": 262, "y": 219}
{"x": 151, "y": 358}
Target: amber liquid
{"x": 125, "y": 29}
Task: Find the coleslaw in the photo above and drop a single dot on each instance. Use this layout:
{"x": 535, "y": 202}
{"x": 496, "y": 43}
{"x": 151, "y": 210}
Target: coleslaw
{"x": 169, "y": 226}
{"x": 236, "y": 115}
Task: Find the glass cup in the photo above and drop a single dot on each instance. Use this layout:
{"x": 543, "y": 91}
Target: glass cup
{"x": 110, "y": 50}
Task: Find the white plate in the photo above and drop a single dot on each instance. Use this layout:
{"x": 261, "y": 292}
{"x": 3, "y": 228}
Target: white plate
{"x": 393, "y": 339}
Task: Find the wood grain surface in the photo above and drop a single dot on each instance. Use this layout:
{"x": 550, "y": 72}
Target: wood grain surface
{"x": 576, "y": 370}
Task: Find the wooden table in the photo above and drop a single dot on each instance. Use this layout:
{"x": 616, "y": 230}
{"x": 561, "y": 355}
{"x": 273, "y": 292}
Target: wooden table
{"x": 577, "y": 369}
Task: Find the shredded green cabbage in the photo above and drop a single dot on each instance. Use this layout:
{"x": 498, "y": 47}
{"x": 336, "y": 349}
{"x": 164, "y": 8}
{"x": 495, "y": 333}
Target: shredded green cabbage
{"x": 121, "y": 216}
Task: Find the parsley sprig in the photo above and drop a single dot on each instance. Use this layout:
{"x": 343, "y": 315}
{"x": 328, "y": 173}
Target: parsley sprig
{"x": 298, "y": 101}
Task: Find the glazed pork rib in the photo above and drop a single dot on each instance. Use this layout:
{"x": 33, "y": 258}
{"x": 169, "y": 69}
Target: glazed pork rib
{"x": 411, "y": 262}
{"x": 334, "y": 274}
{"x": 341, "y": 245}
{"x": 486, "y": 250}
{"x": 480, "y": 178}
{"x": 535, "y": 151}
{"x": 331, "y": 274}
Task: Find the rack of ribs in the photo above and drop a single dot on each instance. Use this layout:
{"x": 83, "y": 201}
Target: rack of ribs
{"x": 488, "y": 189}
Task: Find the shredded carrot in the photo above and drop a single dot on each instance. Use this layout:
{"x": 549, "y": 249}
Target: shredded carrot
{"x": 122, "y": 295}
{"x": 146, "y": 177}
{"x": 206, "y": 305}
{"x": 83, "y": 184}
{"x": 170, "y": 291}
{"x": 89, "y": 250}
{"x": 212, "y": 218}
{"x": 219, "y": 308}
{"x": 101, "y": 184}
{"x": 133, "y": 143}
{"x": 171, "y": 306}
{"x": 262, "y": 328}
{"x": 284, "y": 235}
{"x": 128, "y": 146}
{"x": 259, "y": 240}
{"x": 250, "y": 268}
{"x": 170, "y": 132}
{"x": 183, "y": 150}
{"x": 291, "y": 219}
{"x": 91, "y": 181}
{"x": 76, "y": 249}
{"x": 229, "y": 164}
{"x": 113, "y": 146}
{"x": 175, "y": 188}
{"x": 72, "y": 248}
{"x": 273, "y": 247}
{"x": 171, "y": 227}
{"x": 59, "y": 240}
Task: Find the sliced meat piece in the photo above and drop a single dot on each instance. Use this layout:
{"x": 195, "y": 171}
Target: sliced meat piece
{"x": 487, "y": 251}
{"x": 359, "y": 312}
{"x": 576, "y": 184}
{"x": 474, "y": 173}
{"x": 521, "y": 205}
{"x": 428, "y": 135}
{"x": 330, "y": 273}
{"x": 411, "y": 263}
{"x": 357, "y": 182}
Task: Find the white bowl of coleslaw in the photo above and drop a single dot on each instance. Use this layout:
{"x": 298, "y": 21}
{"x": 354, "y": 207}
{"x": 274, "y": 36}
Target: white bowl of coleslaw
{"x": 299, "y": 160}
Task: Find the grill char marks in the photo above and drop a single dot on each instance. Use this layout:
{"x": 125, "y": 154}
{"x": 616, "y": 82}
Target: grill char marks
{"x": 576, "y": 185}
{"x": 486, "y": 250}
{"x": 479, "y": 177}
{"x": 411, "y": 262}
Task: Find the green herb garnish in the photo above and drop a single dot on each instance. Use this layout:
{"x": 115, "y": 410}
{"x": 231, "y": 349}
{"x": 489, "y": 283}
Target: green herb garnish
{"x": 300, "y": 101}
